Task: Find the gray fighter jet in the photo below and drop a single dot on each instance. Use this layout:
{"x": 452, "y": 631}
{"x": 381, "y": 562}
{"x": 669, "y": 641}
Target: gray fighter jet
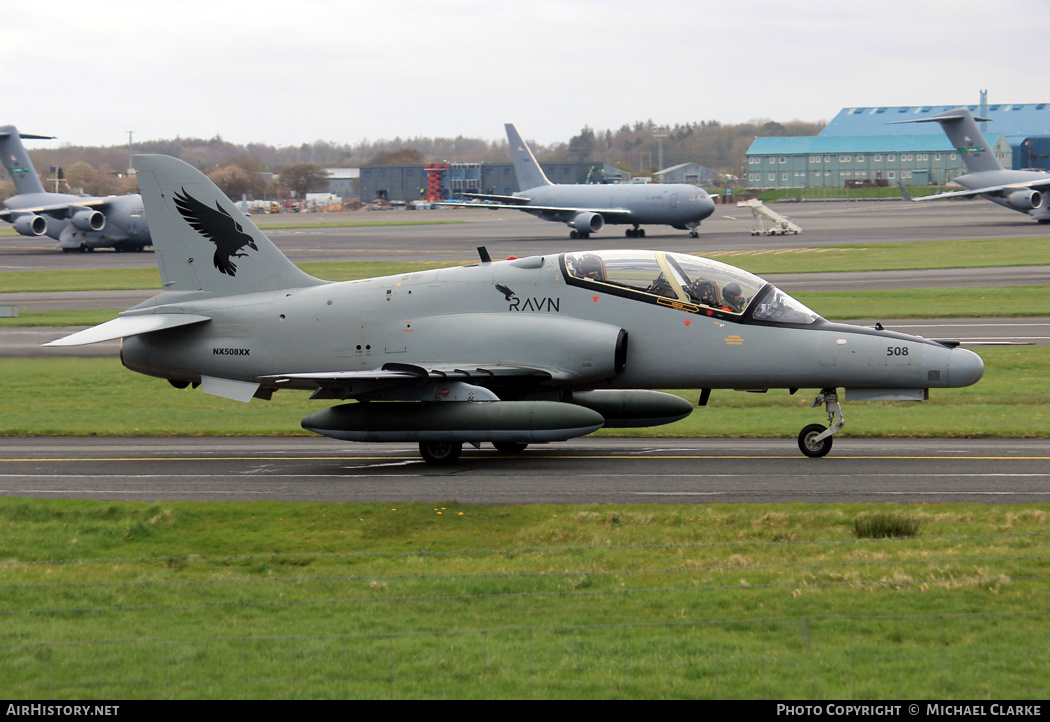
{"x": 78, "y": 223}
{"x": 514, "y": 352}
{"x": 1018, "y": 190}
{"x": 587, "y": 208}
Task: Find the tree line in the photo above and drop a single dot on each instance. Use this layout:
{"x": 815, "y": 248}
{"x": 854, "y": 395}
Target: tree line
{"x": 265, "y": 171}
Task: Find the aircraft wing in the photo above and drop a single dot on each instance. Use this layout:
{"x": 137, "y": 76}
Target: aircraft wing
{"x": 1036, "y": 184}
{"x": 513, "y": 200}
{"x": 567, "y": 210}
{"x": 405, "y": 381}
{"x": 128, "y": 326}
{"x": 57, "y": 208}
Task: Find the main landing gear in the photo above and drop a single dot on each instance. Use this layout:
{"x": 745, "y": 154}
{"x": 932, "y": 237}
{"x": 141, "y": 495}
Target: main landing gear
{"x": 635, "y": 232}
{"x": 445, "y": 453}
{"x": 815, "y": 440}
{"x": 440, "y": 453}
{"x": 579, "y": 234}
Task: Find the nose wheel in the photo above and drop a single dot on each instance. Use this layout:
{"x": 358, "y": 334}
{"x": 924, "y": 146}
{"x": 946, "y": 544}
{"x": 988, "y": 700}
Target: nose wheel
{"x": 808, "y": 443}
{"x": 815, "y": 440}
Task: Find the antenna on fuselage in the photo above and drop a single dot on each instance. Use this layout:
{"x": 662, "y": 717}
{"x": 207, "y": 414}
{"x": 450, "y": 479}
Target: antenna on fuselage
{"x": 484, "y": 253}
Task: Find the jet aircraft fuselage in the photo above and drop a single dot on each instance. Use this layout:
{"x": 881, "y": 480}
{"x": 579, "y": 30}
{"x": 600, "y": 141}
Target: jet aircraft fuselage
{"x": 674, "y": 204}
{"x": 587, "y": 207}
{"x": 534, "y": 313}
{"x": 525, "y": 350}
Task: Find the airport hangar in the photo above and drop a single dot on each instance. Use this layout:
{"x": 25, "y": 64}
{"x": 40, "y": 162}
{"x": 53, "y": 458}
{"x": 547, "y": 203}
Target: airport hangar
{"x": 860, "y": 147}
{"x": 442, "y": 181}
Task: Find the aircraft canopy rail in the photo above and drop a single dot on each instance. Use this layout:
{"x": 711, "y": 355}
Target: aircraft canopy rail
{"x": 686, "y": 283}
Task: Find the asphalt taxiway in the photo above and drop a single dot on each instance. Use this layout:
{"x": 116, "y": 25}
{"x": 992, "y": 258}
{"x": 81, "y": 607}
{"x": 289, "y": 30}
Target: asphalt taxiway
{"x": 582, "y": 471}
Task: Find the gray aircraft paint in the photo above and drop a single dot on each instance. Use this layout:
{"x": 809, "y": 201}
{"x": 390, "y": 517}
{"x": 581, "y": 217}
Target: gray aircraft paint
{"x": 76, "y": 222}
{"x": 587, "y": 208}
{"x": 1018, "y": 190}
{"x": 524, "y": 333}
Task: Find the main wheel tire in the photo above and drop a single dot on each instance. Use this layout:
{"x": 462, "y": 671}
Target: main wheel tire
{"x": 510, "y": 447}
{"x": 440, "y": 453}
{"x": 811, "y": 448}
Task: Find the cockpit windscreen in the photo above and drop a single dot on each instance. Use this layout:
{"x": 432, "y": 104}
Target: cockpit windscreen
{"x": 685, "y": 282}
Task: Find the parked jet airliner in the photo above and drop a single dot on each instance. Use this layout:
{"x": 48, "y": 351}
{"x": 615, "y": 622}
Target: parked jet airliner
{"x": 586, "y": 208}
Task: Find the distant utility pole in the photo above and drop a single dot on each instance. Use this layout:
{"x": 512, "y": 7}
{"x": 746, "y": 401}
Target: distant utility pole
{"x": 131, "y": 168}
{"x": 660, "y": 148}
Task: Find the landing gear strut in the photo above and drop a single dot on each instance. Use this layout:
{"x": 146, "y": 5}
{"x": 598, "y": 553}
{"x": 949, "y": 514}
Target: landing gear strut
{"x": 815, "y": 440}
{"x": 635, "y": 232}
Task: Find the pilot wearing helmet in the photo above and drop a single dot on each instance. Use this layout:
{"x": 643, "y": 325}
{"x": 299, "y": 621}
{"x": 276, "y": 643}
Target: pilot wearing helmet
{"x": 732, "y": 297}
{"x": 590, "y": 266}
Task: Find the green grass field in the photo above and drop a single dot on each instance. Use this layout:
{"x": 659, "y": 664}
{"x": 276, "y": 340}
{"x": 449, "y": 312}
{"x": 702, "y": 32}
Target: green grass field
{"x": 112, "y": 601}
{"x": 823, "y": 259}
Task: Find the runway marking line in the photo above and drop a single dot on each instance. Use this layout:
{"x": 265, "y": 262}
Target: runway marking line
{"x": 537, "y": 456}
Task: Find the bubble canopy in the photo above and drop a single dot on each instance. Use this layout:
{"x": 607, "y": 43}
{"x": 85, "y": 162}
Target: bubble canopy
{"x": 685, "y": 283}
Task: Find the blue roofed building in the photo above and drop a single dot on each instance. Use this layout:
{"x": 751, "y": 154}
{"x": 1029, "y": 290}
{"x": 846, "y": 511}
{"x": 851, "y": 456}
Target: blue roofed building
{"x": 860, "y": 146}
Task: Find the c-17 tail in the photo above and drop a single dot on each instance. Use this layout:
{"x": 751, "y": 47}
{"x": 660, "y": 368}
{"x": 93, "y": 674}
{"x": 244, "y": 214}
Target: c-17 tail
{"x": 17, "y": 162}
{"x": 962, "y": 130}
{"x": 526, "y": 167}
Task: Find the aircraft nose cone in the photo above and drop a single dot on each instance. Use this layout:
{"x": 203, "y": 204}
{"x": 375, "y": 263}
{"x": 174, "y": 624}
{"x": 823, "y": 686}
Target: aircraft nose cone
{"x": 964, "y": 368}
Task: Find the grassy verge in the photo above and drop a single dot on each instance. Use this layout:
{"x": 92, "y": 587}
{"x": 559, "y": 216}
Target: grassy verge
{"x": 87, "y": 397}
{"x": 965, "y": 253}
{"x": 107, "y": 600}
{"x": 824, "y": 259}
{"x": 842, "y": 194}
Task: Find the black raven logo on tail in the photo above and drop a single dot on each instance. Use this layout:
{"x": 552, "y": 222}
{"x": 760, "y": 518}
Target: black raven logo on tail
{"x": 217, "y": 226}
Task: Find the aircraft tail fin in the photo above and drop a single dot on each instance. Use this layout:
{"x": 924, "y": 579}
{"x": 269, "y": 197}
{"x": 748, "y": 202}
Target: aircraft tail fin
{"x": 528, "y": 170}
{"x": 201, "y": 240}
{"x": 962, "y": 130}
{"x": 17, "y": 162}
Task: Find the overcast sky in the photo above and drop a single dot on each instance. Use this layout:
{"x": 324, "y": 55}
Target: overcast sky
{"x": 286, "y": 73}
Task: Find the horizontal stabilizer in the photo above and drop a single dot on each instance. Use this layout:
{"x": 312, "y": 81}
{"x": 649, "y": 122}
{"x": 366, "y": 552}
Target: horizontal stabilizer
{"x": 941, "y": 118}
{"x": 128, "y": 326}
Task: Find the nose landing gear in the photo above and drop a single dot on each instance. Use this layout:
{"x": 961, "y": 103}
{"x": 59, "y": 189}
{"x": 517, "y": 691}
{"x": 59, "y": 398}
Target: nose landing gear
{"x": 815, "y": 440}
